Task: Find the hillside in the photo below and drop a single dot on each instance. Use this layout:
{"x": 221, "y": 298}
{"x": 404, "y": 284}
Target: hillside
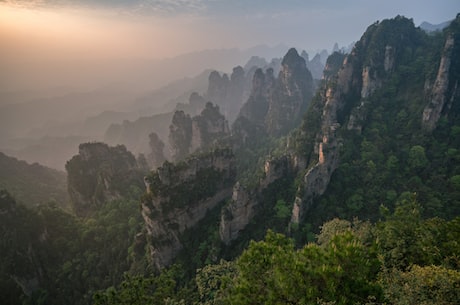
{"x": 33, "y": 184}
{"x": 348, "y": 193}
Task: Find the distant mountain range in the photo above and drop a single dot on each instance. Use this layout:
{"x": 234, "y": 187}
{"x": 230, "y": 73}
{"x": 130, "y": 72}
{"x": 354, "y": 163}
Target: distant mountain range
{"x": 429, "y": 27}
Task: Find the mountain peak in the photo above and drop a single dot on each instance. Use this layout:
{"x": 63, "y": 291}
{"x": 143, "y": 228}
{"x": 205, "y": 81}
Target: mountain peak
{"x": 292, "y": 57}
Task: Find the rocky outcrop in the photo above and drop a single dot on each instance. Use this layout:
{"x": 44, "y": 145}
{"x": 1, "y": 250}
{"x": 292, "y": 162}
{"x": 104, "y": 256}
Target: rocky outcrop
{"x": 227, "y": 92}
{"x": 370, "y": 82}
{"x": 237, "y": 214}
{"x": 438, "y": 97}
{"x": 100, "y": 173}
{"x": 275, "y": 105}
{"x": 333, "y": 65}
{"x": 179, "y": 196}
{"x": 317, "y": 178}
{"x": 344, "y": 97}
{"x": 256, "y": 108}
{"x": 180, "y": 135}
{"x": 293, "y": 92}
{"x": 208, "y": 127}
{"x": 156, "y": 156}
{"x": 189, "y": 135}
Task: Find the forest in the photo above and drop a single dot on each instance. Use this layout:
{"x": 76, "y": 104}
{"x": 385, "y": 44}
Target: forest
{"x": 385, "y": 229}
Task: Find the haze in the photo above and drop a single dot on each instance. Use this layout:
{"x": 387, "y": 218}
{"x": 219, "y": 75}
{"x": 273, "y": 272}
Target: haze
{"x": 64, "y": 63}
{"x": 71, "y": 43}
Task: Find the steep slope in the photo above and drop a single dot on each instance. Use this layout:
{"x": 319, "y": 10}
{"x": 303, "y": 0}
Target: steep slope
{"x": 100, "y": 173}
{"x": 192, "y": 134}
{"x": 375, "y": 112}
{"x": 227, "y": 92}
{"x": 179, "y": 196}
{"x": 135, "y": 134}
{"x": 32, "y": 184}
{"x": 275, "y": 105}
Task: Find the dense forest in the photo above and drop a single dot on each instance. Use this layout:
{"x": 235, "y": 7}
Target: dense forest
{"x": 343, "y": 191}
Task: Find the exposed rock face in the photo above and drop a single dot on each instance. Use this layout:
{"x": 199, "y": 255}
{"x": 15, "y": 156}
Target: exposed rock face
{"x": 180, "y": 135}
{"x": 439, "y": 92}
{"x": 156, "y": 157}
{"x": 255, "y": 109}
{"x": 333, "y": 64}
{"x": 389, "y": 61}
{"x": 236, "y": 215}
{"x": 100, "y": 173}
{"x": 227, "y": 92}
{"x": 276, "y": 105}
{"x": 370, "y": 82}
{"x": 179, "y": 196}
{"x": 188, "y": 135}
{"x": 217, "y": 88}
{"x": 208, "y": 127}
{"x": 343, "y": 98}
{"x": 318, "y": 176}
{"x": 290, "y": 100}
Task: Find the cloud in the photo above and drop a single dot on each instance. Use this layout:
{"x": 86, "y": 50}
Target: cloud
{"x": 146, "y": 7}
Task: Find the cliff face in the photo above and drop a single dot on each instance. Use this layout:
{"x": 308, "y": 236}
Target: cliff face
{"x": 227, "y": 92}
{"x": 343, "y": 100}
{"x": 208, "y": 127}
{"x": 351, "y": 85}
{"x": 180, "y": 135}
{"x": 156, "y": 156}
{"x": 243, "y": 206}
{"x": 188, "y": 135}
{"x": 275, "y": 105}
{"x": 100, "y": 173}
{"x": 256, "y": 108}
{"x": 293, "y": 92}
{"x": 445, "y": 87}
{"x": 179, "y": 196}
{"x": 317, "y": 178}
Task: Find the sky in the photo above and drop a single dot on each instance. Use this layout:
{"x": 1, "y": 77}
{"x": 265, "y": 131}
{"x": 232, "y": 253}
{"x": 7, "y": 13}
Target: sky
{"x": 47, "y": 33}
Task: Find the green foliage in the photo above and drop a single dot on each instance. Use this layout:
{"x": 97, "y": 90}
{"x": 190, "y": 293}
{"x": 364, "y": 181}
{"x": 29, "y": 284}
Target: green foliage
{"x": 273, "y": 272}
{"x": 100, "y": 173}
{"x": 137, "y": 290}
{"x": 417, "y": 158}
{"x": 405, "y": 239}
{"x": 67, "y": 258}
{"x": 33, "y": 184}
{"x": 213, "y": 282}
{"x": 392, "y": 153}
{"x": 404, "y": 259}
{"x": 422, "y": 285}
{"x": 186, "y": 183}
{"x": 282, "y": 209}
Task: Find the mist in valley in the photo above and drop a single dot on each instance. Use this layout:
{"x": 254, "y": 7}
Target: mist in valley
{"x": 205, "y": 151}
{"x": 74, "y": 72}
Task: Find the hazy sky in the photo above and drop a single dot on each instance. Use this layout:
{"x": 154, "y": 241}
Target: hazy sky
{"x": 33, "y": 33}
